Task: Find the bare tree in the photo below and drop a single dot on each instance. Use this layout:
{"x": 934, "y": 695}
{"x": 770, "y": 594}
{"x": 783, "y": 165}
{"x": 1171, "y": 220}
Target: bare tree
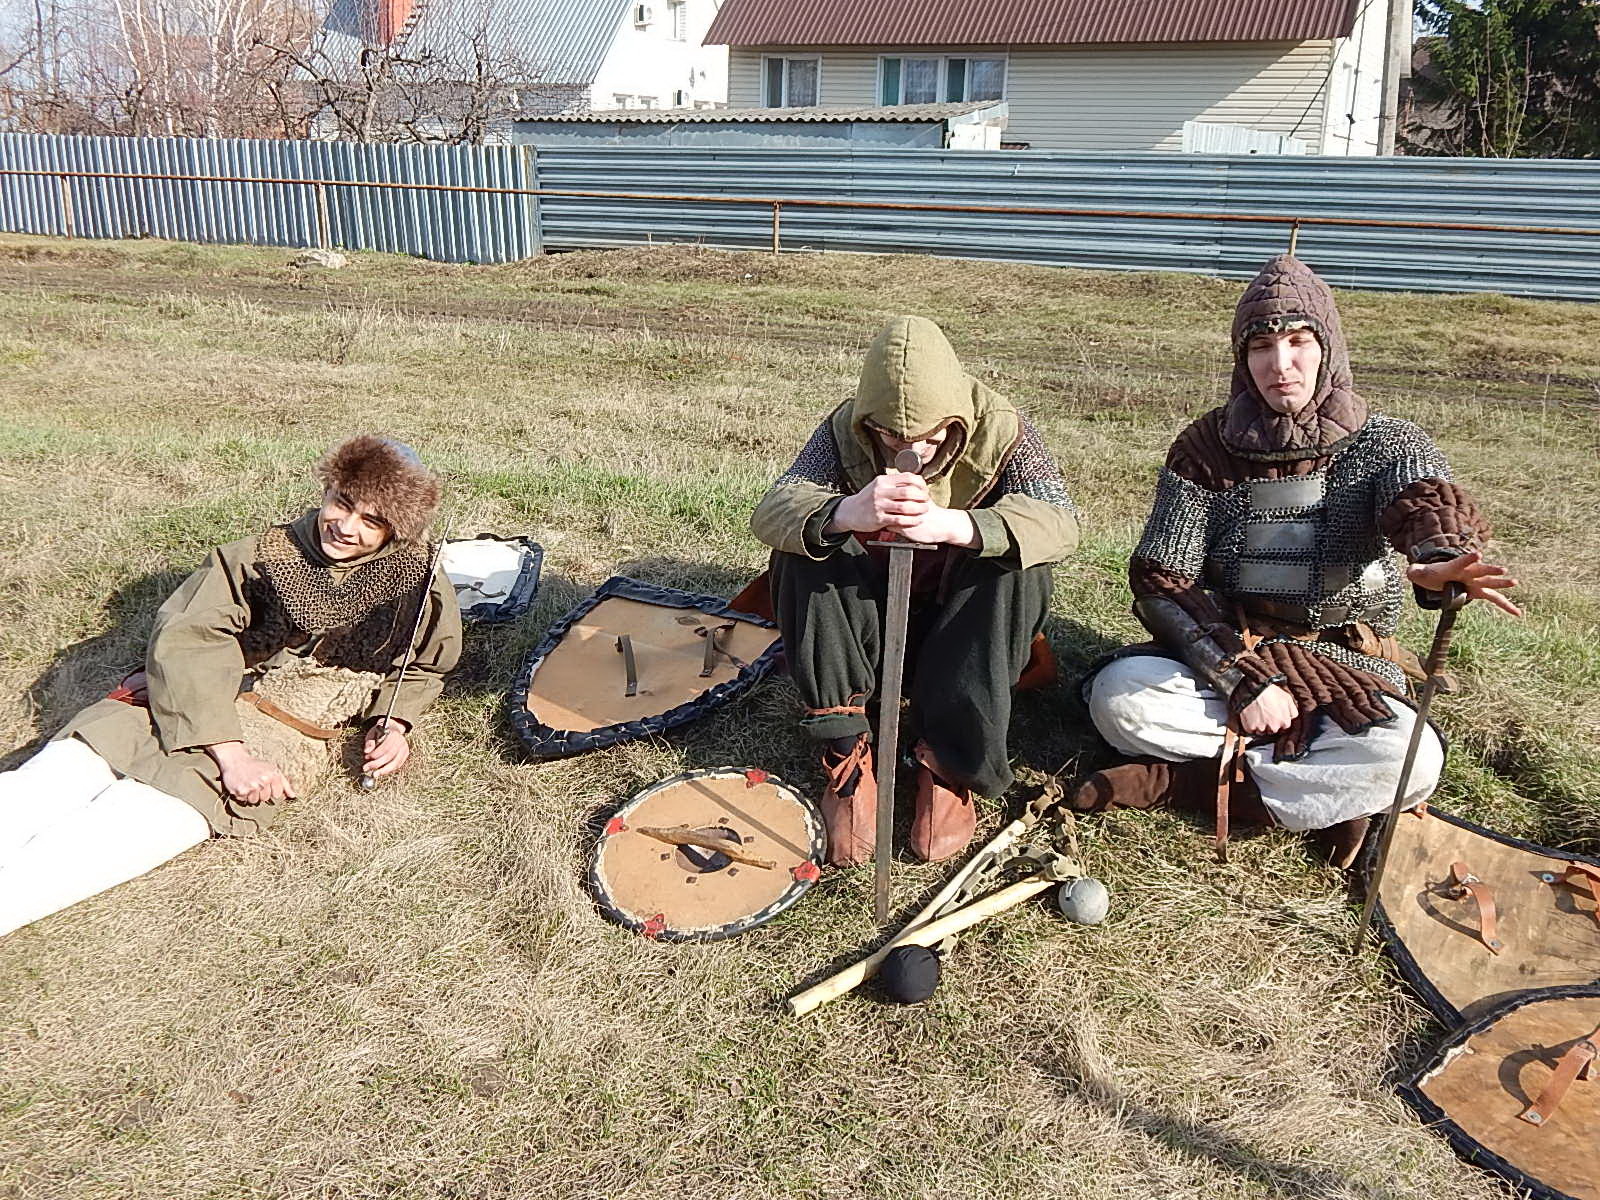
{"x": 255, "y": 68}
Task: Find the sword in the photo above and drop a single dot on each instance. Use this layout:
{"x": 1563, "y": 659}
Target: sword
{"x": 1455, "y": 599}
{"x": 897, "y": 614}
{"x": 368, "y": 781}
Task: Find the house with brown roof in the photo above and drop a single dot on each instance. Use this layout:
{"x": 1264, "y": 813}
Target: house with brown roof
{"x": 1088, "y": 74}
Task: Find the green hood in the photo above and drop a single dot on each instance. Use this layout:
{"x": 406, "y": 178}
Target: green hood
{"x": 912, "y": 384}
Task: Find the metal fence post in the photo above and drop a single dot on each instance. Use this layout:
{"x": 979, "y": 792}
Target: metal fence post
{"x": 324, "y": 240}
{"x": 777, "y": 244}
{"x": 66, "y": 206}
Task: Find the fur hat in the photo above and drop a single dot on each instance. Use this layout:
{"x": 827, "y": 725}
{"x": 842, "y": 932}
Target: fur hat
{"x": 389, "y": 476}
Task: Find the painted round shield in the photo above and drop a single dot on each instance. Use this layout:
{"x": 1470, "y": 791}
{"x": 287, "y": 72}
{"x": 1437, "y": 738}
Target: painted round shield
{"x": 707, "y": 855}
{"x": 1516, "y": 1091}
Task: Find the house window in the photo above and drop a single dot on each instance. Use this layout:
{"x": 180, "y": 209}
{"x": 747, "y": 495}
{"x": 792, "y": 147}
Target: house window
{"x": 643, "y": 16}
{"x": 678, "y": 20}
{"x": 791, "y": 82}
{"x": 680, "y": 99}
{"x": 905, "y": 80}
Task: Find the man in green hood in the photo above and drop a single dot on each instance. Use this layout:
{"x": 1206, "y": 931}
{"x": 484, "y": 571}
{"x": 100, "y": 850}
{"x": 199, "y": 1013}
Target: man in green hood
{"x": 992, "y": 501}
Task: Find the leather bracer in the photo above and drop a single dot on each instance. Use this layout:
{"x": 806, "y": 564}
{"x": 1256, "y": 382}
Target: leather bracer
{"x": 1214, "y": 652}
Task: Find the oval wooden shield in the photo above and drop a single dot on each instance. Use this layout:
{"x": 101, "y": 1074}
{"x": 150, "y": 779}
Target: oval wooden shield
{"x": 495, "y": 578}
{"x": 635, "y": 659}
{"x": 1508, "y": 1093}
{"x": 1452, "y": 887}
{"x": 648, "y": 877}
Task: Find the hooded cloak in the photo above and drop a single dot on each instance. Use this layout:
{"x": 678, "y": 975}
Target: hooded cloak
{"x": 992, "y": 463}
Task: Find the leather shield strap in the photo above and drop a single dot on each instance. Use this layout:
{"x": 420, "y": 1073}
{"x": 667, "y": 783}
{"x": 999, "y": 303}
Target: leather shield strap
{"x": 1583, "y": 878}
{"x": 1575, "y": 1064}
{"x": 268, "y": 708}
{"x": 1463, "y": 882}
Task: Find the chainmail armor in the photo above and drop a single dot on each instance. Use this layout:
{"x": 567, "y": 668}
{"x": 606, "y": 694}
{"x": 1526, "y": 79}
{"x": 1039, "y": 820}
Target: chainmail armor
{"x": 1345, "y": 570}
{"x": 1031, "y": 472}
{"x": 818, "y": 462}
{"x": 361, "y": 623}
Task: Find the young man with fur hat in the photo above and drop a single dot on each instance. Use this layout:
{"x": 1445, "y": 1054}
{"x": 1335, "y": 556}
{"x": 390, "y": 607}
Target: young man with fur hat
{"x": 991, "y": 500}
{"x": 1265, "y": 577}
{"x": 314, "y": 618}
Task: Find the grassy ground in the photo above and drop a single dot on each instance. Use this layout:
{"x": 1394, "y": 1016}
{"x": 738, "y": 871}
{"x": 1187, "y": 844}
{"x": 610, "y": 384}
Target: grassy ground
{"x": 409, "y": 994}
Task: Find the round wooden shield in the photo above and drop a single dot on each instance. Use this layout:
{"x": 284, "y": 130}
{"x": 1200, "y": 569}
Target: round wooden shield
{"x": 658, "y": 869}
{"x": 1474, "y": 917}
{"x": 1514, "y": 1092}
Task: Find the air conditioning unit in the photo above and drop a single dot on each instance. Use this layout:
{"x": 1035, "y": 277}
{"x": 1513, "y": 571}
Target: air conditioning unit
{"x": 643, "y": 16}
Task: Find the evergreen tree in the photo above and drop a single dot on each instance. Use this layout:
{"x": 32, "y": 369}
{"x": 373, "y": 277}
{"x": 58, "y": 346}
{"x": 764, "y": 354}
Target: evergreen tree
{"x": 1509, "y": 78}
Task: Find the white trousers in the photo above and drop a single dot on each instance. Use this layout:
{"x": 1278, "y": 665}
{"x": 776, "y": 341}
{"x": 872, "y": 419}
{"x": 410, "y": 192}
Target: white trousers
{"x": 1153, "y": 706}
{"x": 69, "y": 829}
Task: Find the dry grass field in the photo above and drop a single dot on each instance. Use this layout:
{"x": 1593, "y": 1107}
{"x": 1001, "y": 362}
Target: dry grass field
{"x": 409, "y": 994}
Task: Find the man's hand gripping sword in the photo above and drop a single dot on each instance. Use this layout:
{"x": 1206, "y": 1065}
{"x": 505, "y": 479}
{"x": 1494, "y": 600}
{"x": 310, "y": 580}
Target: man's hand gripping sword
{"x": 897, "y": 615}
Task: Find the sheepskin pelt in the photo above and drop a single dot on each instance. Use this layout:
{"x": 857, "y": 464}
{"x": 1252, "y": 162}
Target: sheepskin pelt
{"x": 389, "y": 476}
{"x": 325, "y": 696}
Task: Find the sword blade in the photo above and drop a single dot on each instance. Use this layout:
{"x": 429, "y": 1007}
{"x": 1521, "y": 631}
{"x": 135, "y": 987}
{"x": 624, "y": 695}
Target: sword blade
{"x": 897, "y": 615}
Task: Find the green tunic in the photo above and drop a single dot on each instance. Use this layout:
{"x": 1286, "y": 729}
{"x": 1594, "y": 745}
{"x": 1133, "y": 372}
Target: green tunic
{"x": 197, "y": 659}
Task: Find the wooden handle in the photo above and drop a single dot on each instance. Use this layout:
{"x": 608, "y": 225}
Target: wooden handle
{"x": 926, "y": 934}
{"x": 682, "y": 835}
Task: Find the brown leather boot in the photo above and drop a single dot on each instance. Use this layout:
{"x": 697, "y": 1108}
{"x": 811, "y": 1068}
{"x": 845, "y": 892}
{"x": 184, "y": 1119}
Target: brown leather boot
{"x": 1190, "y": 786}
{"x": 1341, "y": 844}
{"x": 850, "y": 803}
{"x": 945, "y": 818}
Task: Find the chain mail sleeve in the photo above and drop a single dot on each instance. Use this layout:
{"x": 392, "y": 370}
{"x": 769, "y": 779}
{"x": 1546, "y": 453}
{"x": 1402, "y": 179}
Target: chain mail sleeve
{"x": 1164, "y": 574}
{"x": 792, "y": 515}
{"x": 1028, "y": 519}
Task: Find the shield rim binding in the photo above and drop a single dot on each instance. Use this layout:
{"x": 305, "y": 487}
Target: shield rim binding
{"x": 523, "y": 592}
{"x": 1410, "y": 970}
{"x": 544, "y": 742}
{"x": 799, "y": 885}
{"x": 1463, "y": 1143}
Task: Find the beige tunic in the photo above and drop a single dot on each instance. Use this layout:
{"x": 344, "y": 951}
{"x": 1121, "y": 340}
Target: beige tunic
{"x": 195, "y": 664}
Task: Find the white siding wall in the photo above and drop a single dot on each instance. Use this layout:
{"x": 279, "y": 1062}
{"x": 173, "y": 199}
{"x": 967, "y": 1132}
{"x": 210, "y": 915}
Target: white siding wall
{"x": 650, "y": 62}
{"x": 1106, "y": 98}
{"x": 1355, "y": 86}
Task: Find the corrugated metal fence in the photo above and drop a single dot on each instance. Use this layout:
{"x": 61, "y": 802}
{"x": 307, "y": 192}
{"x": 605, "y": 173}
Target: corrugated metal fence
{"x": 1423, "y": 191}
{"x": 431, "y": 220}
{"x": 1525, "y": 227}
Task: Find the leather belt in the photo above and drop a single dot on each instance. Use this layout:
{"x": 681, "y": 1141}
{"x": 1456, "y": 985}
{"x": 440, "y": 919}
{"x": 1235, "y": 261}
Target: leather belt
{"x": 268, "y": 708}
